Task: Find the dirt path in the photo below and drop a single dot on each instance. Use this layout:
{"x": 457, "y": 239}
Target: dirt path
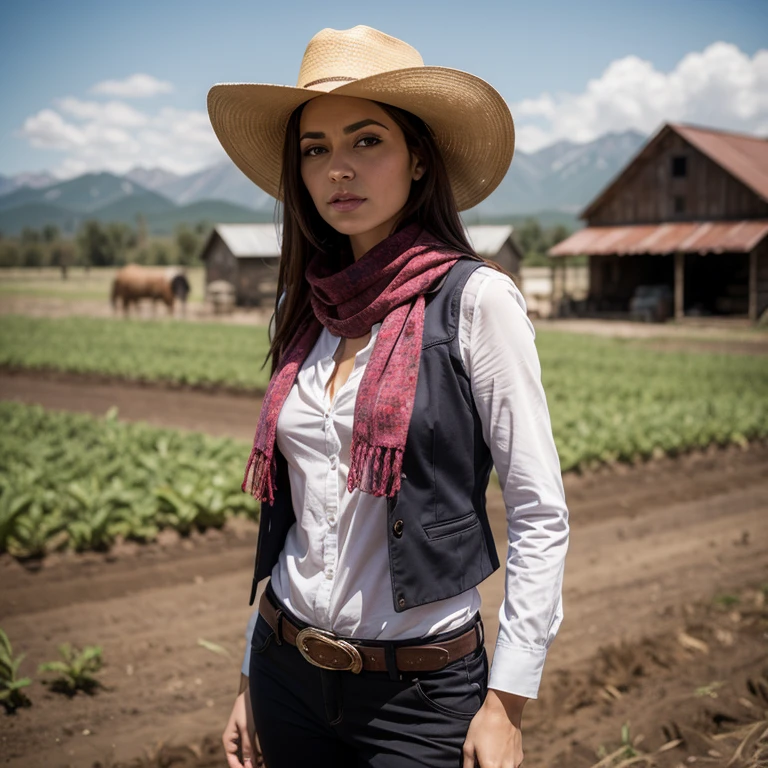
{"x": 219, "y": 414}
{"x": 647, "y": 545}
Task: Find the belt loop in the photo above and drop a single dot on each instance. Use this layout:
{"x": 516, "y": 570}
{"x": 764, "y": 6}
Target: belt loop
{"x": 391, "y": 660}
{"x": 480, "y": 632}
{"x": 279, "y": 629}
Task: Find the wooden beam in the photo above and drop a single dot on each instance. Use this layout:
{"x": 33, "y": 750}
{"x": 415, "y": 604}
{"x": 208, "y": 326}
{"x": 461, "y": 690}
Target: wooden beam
{"x": 753, "y": 285}
{"x": 679, "y": 285}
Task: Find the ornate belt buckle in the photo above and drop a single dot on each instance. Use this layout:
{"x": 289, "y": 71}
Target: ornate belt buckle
{"x": 308, "y": 640}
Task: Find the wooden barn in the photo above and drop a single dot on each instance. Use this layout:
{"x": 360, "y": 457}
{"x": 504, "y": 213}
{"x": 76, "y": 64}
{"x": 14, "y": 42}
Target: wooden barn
{"x": 688, "y": 215}
{"x": 247, "y": 256}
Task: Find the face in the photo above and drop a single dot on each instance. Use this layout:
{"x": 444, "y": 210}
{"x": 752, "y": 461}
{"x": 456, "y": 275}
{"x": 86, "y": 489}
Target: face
{"x": 351, "y": 147}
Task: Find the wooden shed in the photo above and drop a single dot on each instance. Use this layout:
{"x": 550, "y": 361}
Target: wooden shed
{"x": 498, "y": 244}
{"x": 690, "y": 212}
{"x": 246, "y": 255}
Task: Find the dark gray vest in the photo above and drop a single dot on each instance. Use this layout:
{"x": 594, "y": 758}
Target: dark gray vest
{"x": 438, "y": 534}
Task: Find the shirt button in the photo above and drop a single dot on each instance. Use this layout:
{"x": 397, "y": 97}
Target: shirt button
{"x": 329, "y": 575}
{"x": 333, "y": 462}
{"x": 332, "y": 519}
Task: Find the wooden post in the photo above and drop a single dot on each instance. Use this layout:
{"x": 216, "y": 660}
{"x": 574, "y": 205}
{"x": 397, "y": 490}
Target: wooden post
{"x": 679, "y": 285}
{"x": 552, "y": 288}
{"x": 753, "y": 285}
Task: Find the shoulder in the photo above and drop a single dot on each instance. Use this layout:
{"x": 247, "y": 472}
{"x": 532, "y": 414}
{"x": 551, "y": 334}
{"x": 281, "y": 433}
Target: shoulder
{"x": 489, "y": 292}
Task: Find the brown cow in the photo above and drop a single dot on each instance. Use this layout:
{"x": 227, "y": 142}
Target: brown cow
{"x": 134, "y": 282}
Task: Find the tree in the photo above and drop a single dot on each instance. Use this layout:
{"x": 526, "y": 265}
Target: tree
{"x": 557, "y": 234}
{"x": 161, "y": 254}
{"x": 29, "y": 235}
{"x": 50, "y": 233}
{"x": 9, "y": 254}
{"x": 119, "y": 239}
{"x": 63, "y": 256}
{"x": 188, "y": 244}
{"x": 531, "y": 237}
{"x": 141, "y": 230}
{"x": 94, "y": 244}
{"x": 33, "y": 255}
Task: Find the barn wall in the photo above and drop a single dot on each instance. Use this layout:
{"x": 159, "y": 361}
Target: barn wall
{"x": 220, "y": 264}
{"x": 648, "y": 193}
{"x": 256, "y": 281}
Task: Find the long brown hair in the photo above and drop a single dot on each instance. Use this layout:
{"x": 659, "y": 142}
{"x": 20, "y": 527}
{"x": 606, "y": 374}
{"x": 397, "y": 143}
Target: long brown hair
{"x": 430, "y": 203}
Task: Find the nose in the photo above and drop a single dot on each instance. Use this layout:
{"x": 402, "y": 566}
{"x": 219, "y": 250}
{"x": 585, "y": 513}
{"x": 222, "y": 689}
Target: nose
{"x": 340, "y": 171}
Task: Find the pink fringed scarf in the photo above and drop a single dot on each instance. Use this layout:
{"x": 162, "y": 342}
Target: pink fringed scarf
{"x": 387, "y": 285}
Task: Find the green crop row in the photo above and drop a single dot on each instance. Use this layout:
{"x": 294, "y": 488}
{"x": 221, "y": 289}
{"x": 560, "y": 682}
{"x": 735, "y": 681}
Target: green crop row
{"x": 70, "y": 481}
{"x": 201, "y": 354}
{"x": 613, "y": 400}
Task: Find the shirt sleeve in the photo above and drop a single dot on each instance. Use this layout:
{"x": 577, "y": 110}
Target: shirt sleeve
{"x": 505, "y": 374}
{"x": 245, "y": 669}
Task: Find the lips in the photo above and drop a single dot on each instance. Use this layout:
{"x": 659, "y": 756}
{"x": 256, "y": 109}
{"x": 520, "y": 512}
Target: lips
{"x": 347, "y": 203}
{"x": 344, "y": 197}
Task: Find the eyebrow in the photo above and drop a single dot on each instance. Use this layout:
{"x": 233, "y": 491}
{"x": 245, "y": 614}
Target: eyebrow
{"x": 349, "y": 129}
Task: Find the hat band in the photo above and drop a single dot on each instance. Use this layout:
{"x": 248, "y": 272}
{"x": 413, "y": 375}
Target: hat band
{"x": 328, "y": 80}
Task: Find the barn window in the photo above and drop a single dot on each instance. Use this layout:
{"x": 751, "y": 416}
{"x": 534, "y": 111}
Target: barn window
{"x": 679, "y": 202}
{"x": 679, "y": 167}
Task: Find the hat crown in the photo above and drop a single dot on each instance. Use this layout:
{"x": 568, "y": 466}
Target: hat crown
{"x": 336, "y": 56}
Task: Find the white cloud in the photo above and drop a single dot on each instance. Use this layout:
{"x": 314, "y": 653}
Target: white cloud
{"x": 135, "y": 86}
{"x": 115, "y": 136}
{"x": 109, "y": 113}
{"x": 720, "y": 87}
{"x": 48, "y": 130}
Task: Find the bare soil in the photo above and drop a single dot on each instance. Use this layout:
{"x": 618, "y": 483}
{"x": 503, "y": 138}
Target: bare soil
{"x": 665, "y": 622}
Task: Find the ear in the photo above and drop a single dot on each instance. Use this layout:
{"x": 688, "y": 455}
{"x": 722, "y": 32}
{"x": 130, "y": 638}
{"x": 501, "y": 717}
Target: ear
{"x": 418, "y": 168}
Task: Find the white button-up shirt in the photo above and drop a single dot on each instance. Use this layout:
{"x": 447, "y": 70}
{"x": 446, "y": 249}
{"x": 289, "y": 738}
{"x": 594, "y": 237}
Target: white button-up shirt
{"x": 333, "y": 571}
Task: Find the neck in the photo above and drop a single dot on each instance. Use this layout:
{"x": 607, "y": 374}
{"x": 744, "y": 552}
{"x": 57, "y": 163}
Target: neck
{"x": 363, "y": 242}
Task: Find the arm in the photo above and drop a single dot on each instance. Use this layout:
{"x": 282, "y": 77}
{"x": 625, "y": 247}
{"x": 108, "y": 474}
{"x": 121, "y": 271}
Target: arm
{"x": 503, "y": 365}
{"x": 506, "y": 383}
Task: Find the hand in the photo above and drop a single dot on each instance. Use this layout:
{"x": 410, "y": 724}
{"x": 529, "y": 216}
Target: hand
{"x": 241, "y": 733}
{"x": 494, "y": 738}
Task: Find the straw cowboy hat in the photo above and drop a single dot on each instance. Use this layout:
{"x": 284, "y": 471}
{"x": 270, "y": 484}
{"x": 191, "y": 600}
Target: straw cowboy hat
{"x": 470, "y": 120}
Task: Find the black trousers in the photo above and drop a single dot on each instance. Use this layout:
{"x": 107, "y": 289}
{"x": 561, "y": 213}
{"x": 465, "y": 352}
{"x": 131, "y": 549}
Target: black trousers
{"x": 308, "y": 716}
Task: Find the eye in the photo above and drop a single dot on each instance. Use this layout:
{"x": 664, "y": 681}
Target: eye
{"x": 309, "y": 152}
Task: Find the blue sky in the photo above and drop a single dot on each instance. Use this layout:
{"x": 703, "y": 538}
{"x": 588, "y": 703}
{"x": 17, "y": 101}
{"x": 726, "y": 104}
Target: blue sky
{"x": 568, "y": 70}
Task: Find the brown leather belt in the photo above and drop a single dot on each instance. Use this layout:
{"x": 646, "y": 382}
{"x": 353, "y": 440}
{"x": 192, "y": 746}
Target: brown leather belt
{"x": 328, "y": 651}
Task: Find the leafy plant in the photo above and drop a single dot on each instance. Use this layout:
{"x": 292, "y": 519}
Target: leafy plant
{"x": 11, "y": 694}
{"x": 70, "y": 481}
{"x": 76, "y": 670}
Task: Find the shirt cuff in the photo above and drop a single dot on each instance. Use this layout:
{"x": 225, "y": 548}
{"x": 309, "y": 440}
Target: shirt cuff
{"x": 517, "y": 670}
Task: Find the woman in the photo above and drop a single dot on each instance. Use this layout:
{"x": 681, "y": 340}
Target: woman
{"x": 403, "y": 367}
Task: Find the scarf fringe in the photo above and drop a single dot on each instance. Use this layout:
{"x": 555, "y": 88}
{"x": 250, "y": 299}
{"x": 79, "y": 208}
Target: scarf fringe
{"x": 375, "y": 469}
{"x": 259, "y": 479}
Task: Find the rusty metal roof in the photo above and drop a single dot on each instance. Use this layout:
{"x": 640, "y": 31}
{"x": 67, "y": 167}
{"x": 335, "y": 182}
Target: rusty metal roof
{"x": 687, "y": 237}
{"x": 744, "y": 157}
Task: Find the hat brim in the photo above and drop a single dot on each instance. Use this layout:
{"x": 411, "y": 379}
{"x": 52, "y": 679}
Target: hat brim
{"x": 471, "y": 122}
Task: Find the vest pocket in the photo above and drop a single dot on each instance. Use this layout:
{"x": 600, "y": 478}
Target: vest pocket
{"x": 452, "y": 527}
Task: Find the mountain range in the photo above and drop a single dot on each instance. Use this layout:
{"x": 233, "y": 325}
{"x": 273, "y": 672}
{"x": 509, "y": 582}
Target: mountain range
{"x": 554, "y": 183}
